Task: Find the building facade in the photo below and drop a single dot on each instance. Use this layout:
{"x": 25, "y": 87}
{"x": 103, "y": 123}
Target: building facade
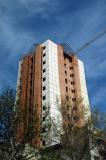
{"x": 45, "y": 79}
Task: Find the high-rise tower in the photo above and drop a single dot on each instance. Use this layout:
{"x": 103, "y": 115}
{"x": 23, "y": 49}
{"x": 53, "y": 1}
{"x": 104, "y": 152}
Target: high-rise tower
{"x": 46, "y": 78}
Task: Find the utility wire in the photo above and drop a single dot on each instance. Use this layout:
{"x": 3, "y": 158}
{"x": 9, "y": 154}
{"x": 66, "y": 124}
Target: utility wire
{"x": 90, "y": 42}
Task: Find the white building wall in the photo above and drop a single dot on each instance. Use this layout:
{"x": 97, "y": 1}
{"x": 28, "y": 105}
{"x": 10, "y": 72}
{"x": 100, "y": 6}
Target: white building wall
{"x": 84, "y": 93}
{"x": 18, "y": 81}
{"x": 52, "y": 91}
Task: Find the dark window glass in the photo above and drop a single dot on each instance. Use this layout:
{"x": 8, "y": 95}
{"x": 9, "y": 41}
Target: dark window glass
{"x": 43, "y": 130}
{"x": 44, "y": 79}
{"x": 44, "y": 97}
{"x": 66, "y": 89}
{"x": 44, "y": 47}
{"x": 73, "y": 99}
{"x": 71, "y": 68}
{"x": 44, "y": 88}
{"x": 76, "y": 118}
{"x": 43, "y": 118}
{"x": 73, "y": 91}
{"x": 43, "y": 143}
{"x": 71, "y": 75}
{"x": 44, "y": 70}
{"x": 44, "y": 62}
{"x": 44, "y": 54}
{"x": 66, "y": 80}
{"x": 72, "y": 83}
{"x": 67, "y": 97}
{"x": 70, "y": 60}
{"x": 44, "y": 107}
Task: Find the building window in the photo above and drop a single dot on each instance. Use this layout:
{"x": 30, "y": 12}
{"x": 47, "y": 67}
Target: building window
{"x": 72, "y": 83}
{"x": 44, "y": 70}
{"x": 65, "y": 65}
{"x": 43, "y": 118}
{"x": 71, "y": 68}
{"x": 70, "y": 60}
{"x": 44, "y": 47}
{"x": 73, "y": 99}
{"x": 44, "y": 62}
{"x": 66, "y": 80}
{"x": 43, "y": 143}
{"x": 44, "y": 107}
{"x": 44, "y": 54}
{"x": 43, "y": 129}
{"x": 44, "y": 79}
{"x": 44, "y": 88}
{"x": 44, "y": 97}
{"x": 66, "y": 89}
{"x": 71, "y": 75}
{"x": 73, "y": 91}
{"x": 67, "y": 97}
{"x": 65, "y": 72}
{"x": 76, "y": 118}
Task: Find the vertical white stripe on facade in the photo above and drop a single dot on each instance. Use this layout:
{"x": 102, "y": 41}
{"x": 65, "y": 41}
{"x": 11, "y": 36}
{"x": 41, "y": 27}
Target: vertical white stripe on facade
{"x": 52, "y": 85}
{"x": 18, "y": 81}
{"x": 84, "y": 93}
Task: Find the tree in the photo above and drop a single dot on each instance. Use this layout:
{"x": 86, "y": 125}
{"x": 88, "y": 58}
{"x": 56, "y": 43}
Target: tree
{"x": 78, "y": 140}
{"x": 102, "y": 148}
{"x": 6, "y": 113}
{"x": 99, "y": 122}
{"x": 73, "y": 130}
{"x": 9, "y": 120}
{"x": 6, "y": 117}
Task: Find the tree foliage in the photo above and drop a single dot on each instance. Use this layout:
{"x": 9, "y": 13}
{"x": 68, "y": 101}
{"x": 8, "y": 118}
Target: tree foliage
{"x": 6, "y": 113}
{"x": 9, "y": 120}
{"x": 77, "y": 139}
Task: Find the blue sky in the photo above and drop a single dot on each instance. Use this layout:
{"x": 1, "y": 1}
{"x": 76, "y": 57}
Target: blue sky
{"x": 24, "y": 22}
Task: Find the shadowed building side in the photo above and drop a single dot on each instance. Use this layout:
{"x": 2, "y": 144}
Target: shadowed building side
{"x": 72, "y": 84}
{"x": 29, "y": 96}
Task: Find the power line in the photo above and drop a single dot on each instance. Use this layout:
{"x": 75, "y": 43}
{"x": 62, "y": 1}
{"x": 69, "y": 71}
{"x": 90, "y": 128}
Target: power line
{"x": 90, "y": 42}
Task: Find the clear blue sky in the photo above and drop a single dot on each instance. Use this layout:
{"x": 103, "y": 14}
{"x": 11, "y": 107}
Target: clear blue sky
{"x": 24, "y": 22}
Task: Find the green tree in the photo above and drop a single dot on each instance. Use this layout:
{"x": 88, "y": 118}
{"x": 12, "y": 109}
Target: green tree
{"x": 6, "y": 113}
{"x": 77, "y": 142}
{"x": 9, "y": 120}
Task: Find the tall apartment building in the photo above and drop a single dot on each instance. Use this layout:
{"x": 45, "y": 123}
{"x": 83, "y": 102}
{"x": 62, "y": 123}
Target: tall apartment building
{"x": 46, "y": 77}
